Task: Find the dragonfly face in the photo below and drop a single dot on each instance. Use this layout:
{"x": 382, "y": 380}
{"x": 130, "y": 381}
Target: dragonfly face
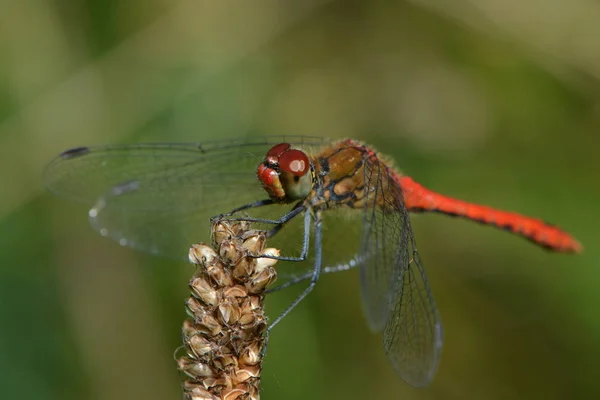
{"x": 284, "y": 173}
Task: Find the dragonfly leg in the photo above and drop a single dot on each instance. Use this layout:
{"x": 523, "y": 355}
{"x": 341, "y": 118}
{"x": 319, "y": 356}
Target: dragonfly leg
{"x": 316, "y": 272}
{"x": 272, "y": 232}
{"x": 327, "y": 270}
{"x": 259, "y": 203}
{"x": 279, "y": 221}
{"x": 298, "y": 209}
{"x": 305, "y": 244}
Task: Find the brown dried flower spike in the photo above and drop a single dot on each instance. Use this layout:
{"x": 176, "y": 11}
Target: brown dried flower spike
{"x": 224, "y": 336}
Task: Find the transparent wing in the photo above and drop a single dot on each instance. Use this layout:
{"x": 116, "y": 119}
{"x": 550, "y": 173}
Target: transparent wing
{"x": 159, "y": 197}
{"x": 396, "y": 294}
{"x": 384, "y": 240}
{"x": 413, "y": 335}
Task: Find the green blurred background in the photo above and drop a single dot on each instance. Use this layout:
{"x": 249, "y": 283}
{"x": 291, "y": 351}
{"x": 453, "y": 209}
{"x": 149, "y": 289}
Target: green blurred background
{"x": 492, "y": 101}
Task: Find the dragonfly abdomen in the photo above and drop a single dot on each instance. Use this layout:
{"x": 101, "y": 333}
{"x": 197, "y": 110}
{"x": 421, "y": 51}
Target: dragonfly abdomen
{"x": 420, "y": 199}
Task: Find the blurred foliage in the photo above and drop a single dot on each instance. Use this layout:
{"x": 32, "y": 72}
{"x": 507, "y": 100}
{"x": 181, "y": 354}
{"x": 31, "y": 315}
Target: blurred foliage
{"x": 492, "y": 101}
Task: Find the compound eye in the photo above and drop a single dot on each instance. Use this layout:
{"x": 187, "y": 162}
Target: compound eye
{"x": 278, "y": 149}
{"x": 294, "y": 162}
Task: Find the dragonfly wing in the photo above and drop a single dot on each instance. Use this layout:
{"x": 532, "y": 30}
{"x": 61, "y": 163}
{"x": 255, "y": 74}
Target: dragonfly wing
{"x": 396, "y": 294}
{"x": 171, "y": 230}
{"x": 413, "y": 335}
{"x": 87, "y": 173}
{"x": 384, "y": 237}
{"x": 157, "y": 197}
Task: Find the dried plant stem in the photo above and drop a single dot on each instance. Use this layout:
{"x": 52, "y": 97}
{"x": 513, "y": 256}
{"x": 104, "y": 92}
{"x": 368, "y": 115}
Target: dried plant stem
{"x": 224, "y": 336}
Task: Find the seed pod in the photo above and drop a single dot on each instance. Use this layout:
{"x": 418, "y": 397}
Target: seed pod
{"x": 244, "y": 268}
{"x": 263, "y": 262}
{"x": 254, "y": 244}
{"x": 259, "y": 282}
{"x": 202, "y": 289}
{"x": 201, "y": 254}
{"x": 229, "y": 313}
{"x": 250, "y": 355}
{"x": 225, "y": 334}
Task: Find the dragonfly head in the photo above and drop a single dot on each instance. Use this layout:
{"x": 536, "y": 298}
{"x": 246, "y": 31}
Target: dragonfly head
{"x": 285, "y": 173}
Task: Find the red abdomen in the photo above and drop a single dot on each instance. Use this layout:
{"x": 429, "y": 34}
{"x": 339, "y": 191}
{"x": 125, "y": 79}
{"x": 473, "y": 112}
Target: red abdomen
{"x": 420, "y": 199}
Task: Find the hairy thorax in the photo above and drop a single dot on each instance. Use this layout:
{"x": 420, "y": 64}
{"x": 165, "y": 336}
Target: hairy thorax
{"x": 342, "y": 170}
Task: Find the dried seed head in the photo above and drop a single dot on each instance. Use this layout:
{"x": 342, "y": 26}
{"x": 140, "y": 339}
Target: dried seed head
{"x": 189, "y": 329}
{"x": 208, "y": 324}
{"x": 194, "y": 368}
{"x": 201, "y": 254}
{"x": 260, "y": 281}
{"x": 244, "y": 268}
{"x": 221, "y": 232}
{"x": 246, "y": 373}
{"x": 250, "y": 355}
{"x": 218, "y": 274}
{"x": 225, "y": 230}
{"x": 200, "y": 345}
{"x": 202, "y": 289}
{"x": 254, "y": 243}
{"x": 229, "y": 252}
{"x": 194, "y": 307}
{"x": 247, "y": 321}
{"x": 235, "y": 291}
{"x": 224, "y": 337}
{"x": 229, "y": 313}
{"x": 234, "y": 394}
{"x": 198, "y": 393}
{"x": 263, "y": 262}
{"x": 225, "y": 361}
{"x": 254, "y": 302}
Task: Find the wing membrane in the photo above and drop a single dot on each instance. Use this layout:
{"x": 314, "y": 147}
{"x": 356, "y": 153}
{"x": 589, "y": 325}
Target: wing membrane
{"x": 396, "y": 294}
{"x": 158, "y": 197}
{"x": 413, "y": 336}
{"x": 383, "y": 244}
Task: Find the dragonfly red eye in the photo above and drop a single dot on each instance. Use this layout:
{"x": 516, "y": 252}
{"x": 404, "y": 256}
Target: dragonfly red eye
{"x": 278, "y": 149}
{"x": 294, "y": 161}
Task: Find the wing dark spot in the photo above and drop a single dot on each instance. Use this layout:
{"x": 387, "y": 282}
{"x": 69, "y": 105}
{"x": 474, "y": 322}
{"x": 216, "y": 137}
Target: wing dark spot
{"x": 74, "y": 152}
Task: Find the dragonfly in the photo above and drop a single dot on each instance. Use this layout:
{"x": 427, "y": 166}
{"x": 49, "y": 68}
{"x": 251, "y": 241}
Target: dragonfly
{"x": 157, "y": 198}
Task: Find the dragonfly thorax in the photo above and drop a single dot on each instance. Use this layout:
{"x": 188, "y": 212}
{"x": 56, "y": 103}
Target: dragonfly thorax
{"x": 285, "y": 173}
